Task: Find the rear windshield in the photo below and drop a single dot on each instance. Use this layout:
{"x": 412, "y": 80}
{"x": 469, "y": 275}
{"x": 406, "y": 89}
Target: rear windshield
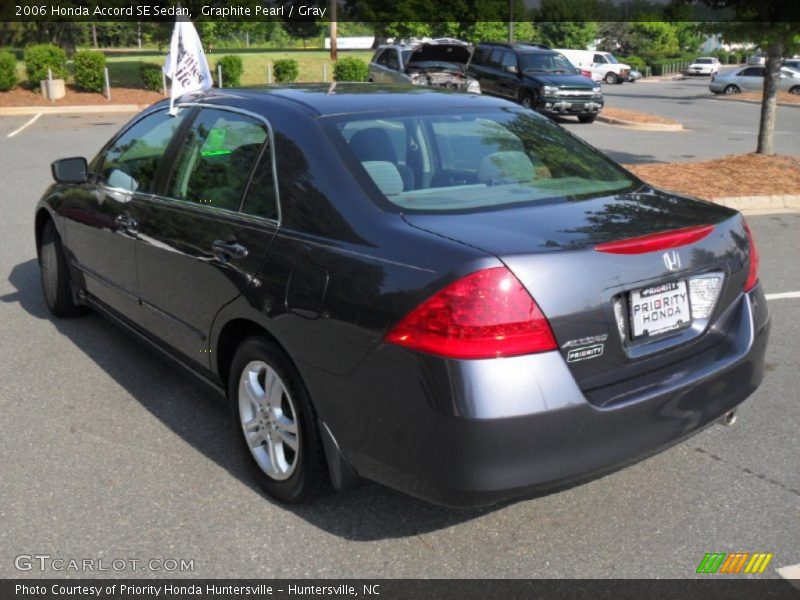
{"x": 472, "y": 160}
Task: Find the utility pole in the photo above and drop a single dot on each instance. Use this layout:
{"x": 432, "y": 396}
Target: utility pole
{"x": 510, "y": 21}
{"x": 333, "y": 30}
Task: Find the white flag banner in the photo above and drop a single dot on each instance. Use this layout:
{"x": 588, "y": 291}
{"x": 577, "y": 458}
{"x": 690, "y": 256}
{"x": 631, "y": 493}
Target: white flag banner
{"x": 186, "y": 63}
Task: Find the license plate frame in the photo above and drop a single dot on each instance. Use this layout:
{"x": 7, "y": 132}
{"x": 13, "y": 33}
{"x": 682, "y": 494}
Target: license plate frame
{"x": 668, "y": 302}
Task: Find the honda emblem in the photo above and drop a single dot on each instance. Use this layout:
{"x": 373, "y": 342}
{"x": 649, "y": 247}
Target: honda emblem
{"x": 672, "y": 260}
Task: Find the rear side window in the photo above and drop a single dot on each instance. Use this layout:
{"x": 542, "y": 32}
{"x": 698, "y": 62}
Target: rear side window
{"x": 753, "y": 72}
{"x": 261, "y": 199}
{"x": 133, "y": 159}
{"x": 495, "y": 57}
{"x": 216, "y": 158}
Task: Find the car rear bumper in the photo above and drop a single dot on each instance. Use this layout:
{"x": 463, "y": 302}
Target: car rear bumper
{"x": 521, "y": 426}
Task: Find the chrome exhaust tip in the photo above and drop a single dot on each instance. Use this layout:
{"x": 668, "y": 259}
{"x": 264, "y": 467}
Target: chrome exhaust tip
{"x": 729, "y": 418}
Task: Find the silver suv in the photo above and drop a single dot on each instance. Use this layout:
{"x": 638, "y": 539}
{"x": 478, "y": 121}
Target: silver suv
{"x": 436, "y": 63}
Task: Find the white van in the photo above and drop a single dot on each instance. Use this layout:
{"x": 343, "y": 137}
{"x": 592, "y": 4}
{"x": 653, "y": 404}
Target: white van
{"x": 603, "y": 65}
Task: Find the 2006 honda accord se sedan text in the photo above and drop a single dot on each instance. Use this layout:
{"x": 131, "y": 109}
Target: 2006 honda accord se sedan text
{"x": 444, "y": 293}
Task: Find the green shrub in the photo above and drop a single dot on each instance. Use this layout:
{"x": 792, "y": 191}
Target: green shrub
{"x": 42, "y": 57}
{"x": 89, "y": 70}
{"x": 8, "y": 71}
{"x": 232, "y": 69}
{"x": 635, "y": 62}
{"x": 150, "y": 75}
{"x": 286, "y": 70}
{"x": 350, "y": 69}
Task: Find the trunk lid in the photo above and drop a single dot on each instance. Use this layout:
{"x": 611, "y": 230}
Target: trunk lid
{"x": 586, "y": 294}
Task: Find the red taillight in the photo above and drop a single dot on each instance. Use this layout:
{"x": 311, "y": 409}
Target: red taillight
{"x": 656, "y": 241}
{"x": 752, "y": 272}
{"x": 483, "y": 315}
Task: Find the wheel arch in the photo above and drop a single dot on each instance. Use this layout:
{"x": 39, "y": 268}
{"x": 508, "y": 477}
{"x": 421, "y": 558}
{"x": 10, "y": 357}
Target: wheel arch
{"x": 42, "y": 217}
{"x": 230, "y": 337}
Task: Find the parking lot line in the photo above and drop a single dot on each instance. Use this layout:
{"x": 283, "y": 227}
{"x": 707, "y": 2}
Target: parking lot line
{"x": 26, "y": 124}
{"x": 783, "y": 295}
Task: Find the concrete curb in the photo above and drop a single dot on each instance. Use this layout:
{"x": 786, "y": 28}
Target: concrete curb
{"x": 748, "y": 101}
{"x": 750, "y": 204}
{"x": 8, "y": 111}
{"x": 640, "y": 126}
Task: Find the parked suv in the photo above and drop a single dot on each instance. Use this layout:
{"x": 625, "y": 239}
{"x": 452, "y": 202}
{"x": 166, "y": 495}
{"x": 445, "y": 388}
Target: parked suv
{"x": 537, "y": 78}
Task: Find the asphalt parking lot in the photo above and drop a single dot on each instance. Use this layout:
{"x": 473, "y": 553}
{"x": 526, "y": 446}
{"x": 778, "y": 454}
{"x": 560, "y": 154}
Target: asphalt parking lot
{"x": 109, "y": 452}
{"x": 713, "y": 127}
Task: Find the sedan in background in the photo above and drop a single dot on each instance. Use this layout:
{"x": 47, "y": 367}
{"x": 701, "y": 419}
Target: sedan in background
{"x": 705, "y": 65}
{"x": 445, "y": 293}
{"x": 751, "y": 79}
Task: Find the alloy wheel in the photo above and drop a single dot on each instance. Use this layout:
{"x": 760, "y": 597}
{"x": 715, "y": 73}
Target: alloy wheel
{"x": 269, "y": 420}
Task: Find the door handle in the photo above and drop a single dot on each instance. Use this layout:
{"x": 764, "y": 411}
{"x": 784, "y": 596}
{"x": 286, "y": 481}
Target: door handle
{"x": 127, "y": 223}
{"x": 225, "y": 250}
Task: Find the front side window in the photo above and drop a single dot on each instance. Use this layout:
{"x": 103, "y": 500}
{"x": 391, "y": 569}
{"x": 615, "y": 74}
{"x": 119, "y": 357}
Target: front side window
{"x": 133, "y": 159}
{"x": 478, "y": 160}
{"x": 391, "y": 60}
{"x": 216, "y": 158}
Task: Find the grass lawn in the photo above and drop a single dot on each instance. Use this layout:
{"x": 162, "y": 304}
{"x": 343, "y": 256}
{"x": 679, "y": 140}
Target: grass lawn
{"x": 123, "y": 67}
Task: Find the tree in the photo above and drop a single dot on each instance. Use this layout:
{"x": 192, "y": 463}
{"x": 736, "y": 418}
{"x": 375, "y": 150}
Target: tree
{"x": 772, "y": 26}
{"x": 568, "y": 23}
{"x": 305, "y": 30}
{"x": 568, "y": 34}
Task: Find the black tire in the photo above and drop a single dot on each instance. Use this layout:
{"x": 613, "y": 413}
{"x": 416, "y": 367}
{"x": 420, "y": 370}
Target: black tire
{"x": 587, "y": 118}
{"x": 309, "y": 477}
{"x": 795, "y": 90}
{"x": 529, "y": 100}
{"x": 55, "y": 275}
{"x": 732, "y": 89}
{"x": 611, "y": 78}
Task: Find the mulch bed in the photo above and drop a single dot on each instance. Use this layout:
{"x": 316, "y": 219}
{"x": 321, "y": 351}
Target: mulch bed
{"x": 783, "y": 97}
{"x": 729, "y": 176}
{"x": 24, "y": 97}
{"x": 636, "y": 117}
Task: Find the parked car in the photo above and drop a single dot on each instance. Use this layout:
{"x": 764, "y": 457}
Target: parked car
{"x": 748, "y": 79}
{"x": 634, "y": 76}
{"x": 792, "y": 63}
{"x": 536, "y": 78}
{"x": 603, "y": 65}
{"x": 757, "y": 59}
{"x": 440, "y": 63}
{"x": 705, "y": 65}
{"x": 445, "y": 293}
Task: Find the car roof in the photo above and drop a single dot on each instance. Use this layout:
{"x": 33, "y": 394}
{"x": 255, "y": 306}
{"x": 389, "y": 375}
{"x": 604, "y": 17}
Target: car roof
{"x": 320, "y": 100}
{"x": 520, "y": 47}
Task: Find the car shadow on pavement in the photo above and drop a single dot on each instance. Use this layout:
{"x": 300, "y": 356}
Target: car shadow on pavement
{"x": 199, "y": 416}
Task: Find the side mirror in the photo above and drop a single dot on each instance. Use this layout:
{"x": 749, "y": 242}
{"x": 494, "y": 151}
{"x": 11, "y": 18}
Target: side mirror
{"x": 70, "y": 170}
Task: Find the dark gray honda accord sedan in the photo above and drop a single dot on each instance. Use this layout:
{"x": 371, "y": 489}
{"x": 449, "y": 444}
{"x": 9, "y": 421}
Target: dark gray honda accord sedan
{"x": 444, "y": 293}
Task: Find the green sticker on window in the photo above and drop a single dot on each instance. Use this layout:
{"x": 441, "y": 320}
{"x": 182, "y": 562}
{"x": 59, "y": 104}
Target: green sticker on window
{"x": 215, "y": 143}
